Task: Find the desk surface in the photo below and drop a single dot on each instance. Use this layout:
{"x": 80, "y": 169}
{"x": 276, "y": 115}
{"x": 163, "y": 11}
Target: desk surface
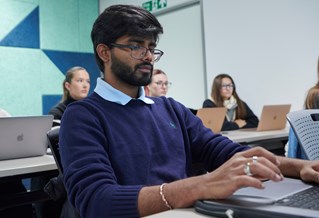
{"x": 251, "y": 136}
{"x": 47, "y": 163}
{"x": 185, "y": 213}
{"x": 22, "y": 166}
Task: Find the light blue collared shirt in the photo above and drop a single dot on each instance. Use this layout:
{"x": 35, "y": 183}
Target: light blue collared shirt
{"x": 109, "y": 93}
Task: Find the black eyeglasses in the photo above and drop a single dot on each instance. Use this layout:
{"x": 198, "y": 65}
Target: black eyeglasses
{"x": 227, "y": 86}
{"x": 139, "y": 52}
{"x": 161, "y": 83}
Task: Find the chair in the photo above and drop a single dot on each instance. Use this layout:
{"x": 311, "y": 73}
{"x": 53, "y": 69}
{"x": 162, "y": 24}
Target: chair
{"x": 55, "y": 187}
{"x": 53, "y": 141}
{"x": 305, "y": 124}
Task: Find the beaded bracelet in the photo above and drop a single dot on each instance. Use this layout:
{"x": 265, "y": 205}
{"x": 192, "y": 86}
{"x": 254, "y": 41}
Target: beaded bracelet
{"x": 163, "y": 196}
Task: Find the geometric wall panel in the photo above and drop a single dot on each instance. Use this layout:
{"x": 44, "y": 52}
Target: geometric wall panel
{"x": 65, "y": 60}
{"x": 25, "y": 34}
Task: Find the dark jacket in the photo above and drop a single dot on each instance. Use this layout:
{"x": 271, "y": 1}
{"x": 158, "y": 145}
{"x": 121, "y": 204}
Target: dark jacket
{"x": 251, "y": 119}
{"x": 58, "y": 110}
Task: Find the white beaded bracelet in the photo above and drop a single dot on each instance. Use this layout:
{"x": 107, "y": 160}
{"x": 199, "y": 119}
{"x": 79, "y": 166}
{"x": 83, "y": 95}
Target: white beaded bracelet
{"x": 163, "y": 196}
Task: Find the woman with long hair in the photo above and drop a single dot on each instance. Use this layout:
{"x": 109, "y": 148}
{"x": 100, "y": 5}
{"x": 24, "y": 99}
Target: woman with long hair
{"x": 224, "y": 94}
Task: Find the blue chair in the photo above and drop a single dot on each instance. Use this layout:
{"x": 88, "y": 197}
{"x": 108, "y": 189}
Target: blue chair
{"x": 305, "y": 126}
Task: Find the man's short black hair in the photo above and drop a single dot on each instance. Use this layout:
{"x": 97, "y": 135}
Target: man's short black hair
{"x": 120, "y": 20}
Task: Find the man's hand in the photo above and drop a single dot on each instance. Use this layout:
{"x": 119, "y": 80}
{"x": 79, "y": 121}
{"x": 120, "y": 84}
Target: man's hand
{"x": 246, "y": 168}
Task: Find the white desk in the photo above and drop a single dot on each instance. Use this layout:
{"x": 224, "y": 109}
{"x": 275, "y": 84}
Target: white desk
{"x": 251, "y": 136}
{"x": 273, "y": 140}
{"x": 29, "y": 165}
{"x": 17, "y": 169}
{"x": 185, "y": 213}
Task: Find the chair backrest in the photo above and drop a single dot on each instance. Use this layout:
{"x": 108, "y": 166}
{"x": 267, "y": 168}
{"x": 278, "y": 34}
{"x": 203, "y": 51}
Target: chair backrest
{"x": 53, "y": 140}
{"x": 305, "y": 124}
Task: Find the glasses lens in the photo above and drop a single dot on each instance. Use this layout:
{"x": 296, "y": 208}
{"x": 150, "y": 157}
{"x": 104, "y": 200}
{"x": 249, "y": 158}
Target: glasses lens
{"x": 139, "y": 52}
{"x": 157, "y": 54}
{"x": 167, "y": 84}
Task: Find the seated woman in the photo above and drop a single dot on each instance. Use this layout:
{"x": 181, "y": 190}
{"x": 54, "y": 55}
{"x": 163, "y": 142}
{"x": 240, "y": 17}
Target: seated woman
{"x": 311, "y": 102}
{"x": 159, "y": 84}
{"x": 76, "y": 86}
{"x": 223, "y": 94}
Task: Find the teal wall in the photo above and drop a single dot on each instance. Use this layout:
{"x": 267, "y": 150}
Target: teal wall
{"x": 39, "y": 41}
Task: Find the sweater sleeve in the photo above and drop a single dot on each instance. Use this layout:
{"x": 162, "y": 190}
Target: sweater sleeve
{"x": 89, "y": 178}
{"x": 205, "y": 146}
{"x": 208, "y": 103}
{"x": 251, "y": 119}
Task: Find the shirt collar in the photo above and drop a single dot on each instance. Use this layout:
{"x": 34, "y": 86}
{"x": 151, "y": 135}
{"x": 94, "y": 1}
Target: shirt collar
{"x": 109, "y": 93}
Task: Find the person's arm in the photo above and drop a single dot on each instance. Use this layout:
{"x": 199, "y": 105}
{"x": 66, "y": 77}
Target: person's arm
{"x": 304, "y": 169}
{"x": 208, "y": 103}
{"x": 251, "y": 119}
{"x": 218, "y": 184}
{"x": 229, "y": 125}
{"x": 225, "y": 180}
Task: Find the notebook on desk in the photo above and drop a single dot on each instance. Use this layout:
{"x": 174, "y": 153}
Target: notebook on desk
{"x": 273, "y": 117}
{"x": 212, "y": 118}
{"x": 289, "y": 198}
{"x": 25, "y": 136}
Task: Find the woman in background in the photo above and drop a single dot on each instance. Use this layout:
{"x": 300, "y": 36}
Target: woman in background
{"x": 159, "y": 85}
{"x": 76, "y": 86}
{"x": 224, "y": 94}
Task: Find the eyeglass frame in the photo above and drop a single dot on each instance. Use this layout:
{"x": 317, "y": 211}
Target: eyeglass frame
{"x": 138, "y": 47}
{"x": 160, "y": 83}
{"x": 227, "y": 86}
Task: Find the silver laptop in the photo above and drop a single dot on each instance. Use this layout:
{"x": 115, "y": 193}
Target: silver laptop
{"x": 212, "y": 118}
{"x": 25, "y": 136}
{"x": 273, "y": 117}
{"x": 288, "y": 198}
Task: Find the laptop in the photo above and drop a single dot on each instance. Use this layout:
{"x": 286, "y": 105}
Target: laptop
{"x": 212, "y": 118}
{"x": 279, "y": 199}
{"x": 22, "y": 137}
{"x": 273, "y": 117}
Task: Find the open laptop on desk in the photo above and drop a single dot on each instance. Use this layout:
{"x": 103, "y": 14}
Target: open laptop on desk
{"x": 273, "y": 117}
{"x": 25, "y": 136}
{"x": 212, "y": 118}
{"x": 279, "y": 199}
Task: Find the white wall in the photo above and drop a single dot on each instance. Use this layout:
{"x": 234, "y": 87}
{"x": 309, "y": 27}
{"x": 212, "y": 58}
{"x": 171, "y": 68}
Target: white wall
{"x": 183, "y": 58}
{"x": 269, "y": 47}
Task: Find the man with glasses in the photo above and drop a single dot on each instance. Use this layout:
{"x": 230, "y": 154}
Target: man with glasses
{"x": 126, "y": 155}
{"x": 159, "y": 84}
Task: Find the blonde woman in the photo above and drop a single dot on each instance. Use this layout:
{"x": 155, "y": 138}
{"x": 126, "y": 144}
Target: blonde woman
{"x": 159, "y": 85}
{"x": 76, "y": 86}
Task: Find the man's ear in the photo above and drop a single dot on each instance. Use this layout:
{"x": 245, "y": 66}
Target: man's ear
{"x": 103, "y": 52}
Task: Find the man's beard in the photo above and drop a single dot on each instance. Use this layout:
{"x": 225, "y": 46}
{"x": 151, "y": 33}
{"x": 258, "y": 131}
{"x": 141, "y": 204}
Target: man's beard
{"x": 125, "y": 73}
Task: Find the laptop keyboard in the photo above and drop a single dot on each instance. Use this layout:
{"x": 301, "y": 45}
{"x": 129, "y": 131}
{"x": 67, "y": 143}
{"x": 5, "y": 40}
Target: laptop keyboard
{"x": 307, "y": 199}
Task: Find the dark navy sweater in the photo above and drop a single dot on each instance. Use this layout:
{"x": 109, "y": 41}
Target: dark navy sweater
{"x": 112, "y": 151}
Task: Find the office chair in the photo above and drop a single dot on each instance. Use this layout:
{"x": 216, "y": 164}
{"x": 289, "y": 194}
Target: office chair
{"x": 53, "y": 141}
{"x": 55, "y": 187}
{"x": 305, "y": 124}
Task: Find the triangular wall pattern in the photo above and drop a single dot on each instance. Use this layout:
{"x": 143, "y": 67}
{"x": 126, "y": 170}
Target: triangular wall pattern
{"x": 26, "y": 34}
